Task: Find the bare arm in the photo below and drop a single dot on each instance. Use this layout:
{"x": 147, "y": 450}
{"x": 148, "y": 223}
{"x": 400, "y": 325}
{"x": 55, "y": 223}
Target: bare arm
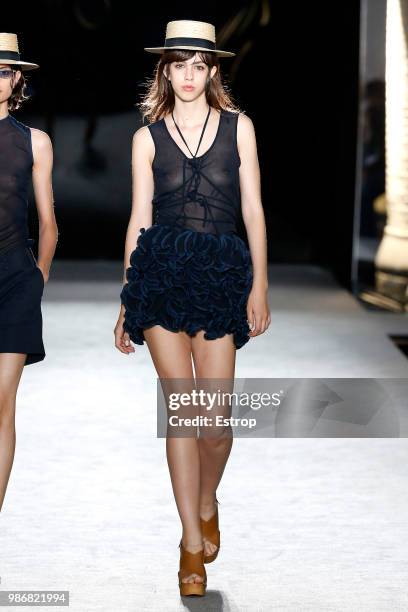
{"x": 44, "y": 199}
{"x": 142, "y": 190}
{"x": 253, "y": 215}
{"x": 141, "y": 214}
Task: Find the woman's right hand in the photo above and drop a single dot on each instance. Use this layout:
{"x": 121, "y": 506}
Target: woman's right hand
{"x": 122, "y": 339}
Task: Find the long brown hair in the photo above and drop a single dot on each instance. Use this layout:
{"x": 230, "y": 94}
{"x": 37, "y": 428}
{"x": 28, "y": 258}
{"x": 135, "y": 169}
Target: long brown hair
{"x": 159, "y": 98}
{"x": 18, "y": 95}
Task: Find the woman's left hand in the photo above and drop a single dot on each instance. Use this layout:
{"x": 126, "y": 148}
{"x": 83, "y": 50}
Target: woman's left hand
{"x": 258, "y": 312}
{"x": 45, "y": 276}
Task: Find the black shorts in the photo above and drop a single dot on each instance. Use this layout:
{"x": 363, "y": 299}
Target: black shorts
{"x": 21, "y": 291}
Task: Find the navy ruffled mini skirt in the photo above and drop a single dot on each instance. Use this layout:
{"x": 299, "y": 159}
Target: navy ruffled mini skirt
{"x": 186, "y": 280}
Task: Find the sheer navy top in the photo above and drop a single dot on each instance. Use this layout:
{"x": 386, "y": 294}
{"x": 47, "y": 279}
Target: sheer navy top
{"x": 16, "y": 161}
{"x": 201, "y": 193}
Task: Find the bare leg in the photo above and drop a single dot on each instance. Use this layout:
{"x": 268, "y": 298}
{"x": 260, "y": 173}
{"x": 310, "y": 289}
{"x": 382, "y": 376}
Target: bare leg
{"x": 171, "y": 355}
{"x": 11, "y": 368}
{"x": 213, "y": 359}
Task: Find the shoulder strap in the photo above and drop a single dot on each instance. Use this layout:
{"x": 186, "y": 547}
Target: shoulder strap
{"x": 25, "y": 132}
{"x": 155, "y": 130}
{"x": 24, "y": 129}
{"x": 230, "y": 130}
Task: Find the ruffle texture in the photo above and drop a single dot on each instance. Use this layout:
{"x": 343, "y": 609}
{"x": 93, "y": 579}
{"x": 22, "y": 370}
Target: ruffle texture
{"x": 185, "y": 280}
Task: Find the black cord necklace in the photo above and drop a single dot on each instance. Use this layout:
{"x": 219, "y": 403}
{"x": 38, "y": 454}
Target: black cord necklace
{"x": 202, "y": 133}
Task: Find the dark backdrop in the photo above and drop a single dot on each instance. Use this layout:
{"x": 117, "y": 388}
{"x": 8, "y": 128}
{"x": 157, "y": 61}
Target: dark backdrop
{"x": 296, "y": 76}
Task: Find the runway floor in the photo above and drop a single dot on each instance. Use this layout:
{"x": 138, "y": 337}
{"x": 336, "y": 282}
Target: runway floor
{"x": 306, "y": 524}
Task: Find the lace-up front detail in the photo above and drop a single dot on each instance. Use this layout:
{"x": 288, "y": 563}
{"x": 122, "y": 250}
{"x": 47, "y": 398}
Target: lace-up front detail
{"x": 199, "y": 192}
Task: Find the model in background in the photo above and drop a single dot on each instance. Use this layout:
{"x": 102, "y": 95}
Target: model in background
{"x": 192, "y": 290}
{"x": 25, "y": 154}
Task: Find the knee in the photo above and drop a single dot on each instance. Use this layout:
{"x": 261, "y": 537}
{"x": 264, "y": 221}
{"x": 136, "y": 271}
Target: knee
{"x": 214, "y": 440}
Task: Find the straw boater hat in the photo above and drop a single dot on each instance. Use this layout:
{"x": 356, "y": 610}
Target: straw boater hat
{"x": 187, "y": 34}
{"x": 9, "y": 53}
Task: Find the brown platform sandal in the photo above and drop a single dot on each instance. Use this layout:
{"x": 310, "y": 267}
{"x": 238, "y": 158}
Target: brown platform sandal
{"x": 210, "y": 531}
{"x": 191, "y": 563}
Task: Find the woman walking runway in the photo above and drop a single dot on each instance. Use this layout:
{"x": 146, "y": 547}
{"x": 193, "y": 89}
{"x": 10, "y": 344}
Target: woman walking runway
{"x": 24, "y": 153}
{"x": 192, "y": 289}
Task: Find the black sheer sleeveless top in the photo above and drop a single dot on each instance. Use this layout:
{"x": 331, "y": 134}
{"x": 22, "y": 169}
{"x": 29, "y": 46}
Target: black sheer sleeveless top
{"x": 16, "y": 161}
{"x": 202, "y": 192}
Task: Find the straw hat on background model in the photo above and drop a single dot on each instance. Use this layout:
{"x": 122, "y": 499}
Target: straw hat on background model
{"x": 10, "y": 54}
{"x": 187, "y": 34}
